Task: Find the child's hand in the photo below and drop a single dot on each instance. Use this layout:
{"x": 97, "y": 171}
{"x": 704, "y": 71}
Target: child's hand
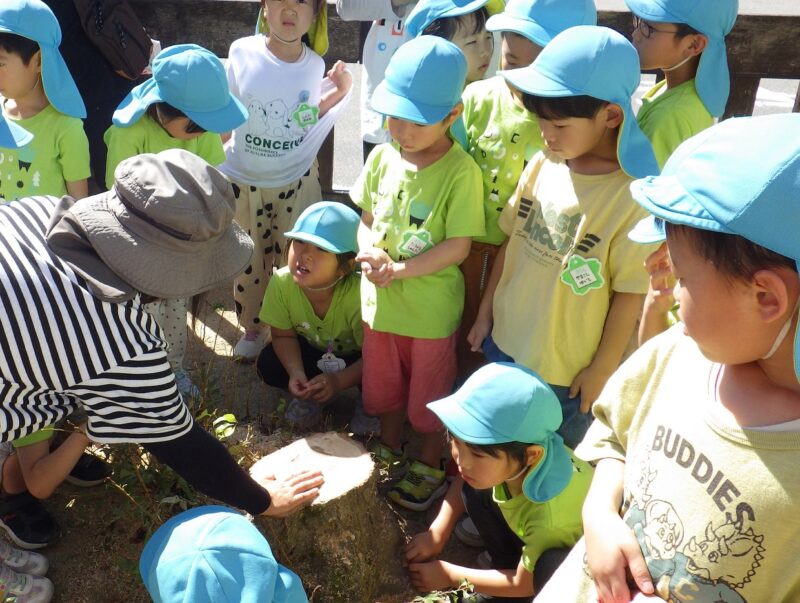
{"x": 376, "y": 265}
{"x": 432, "y": 575}
{"x": 479, "y": 331}
{"x": 298, "y": 386}
{"x": 424, "y": 546}
{"x": 323, "y": 387}
{"x": 340, "y": 77}
{"x": 611, "y": 547}
{"x": 660, "y": 295}
{"x": 589, "y": 383}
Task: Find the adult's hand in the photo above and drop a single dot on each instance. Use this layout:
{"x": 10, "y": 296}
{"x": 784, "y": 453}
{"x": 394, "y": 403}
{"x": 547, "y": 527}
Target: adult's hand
{"x": 289, "y": 494}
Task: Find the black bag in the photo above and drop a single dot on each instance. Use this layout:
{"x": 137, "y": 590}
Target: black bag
{"x": 116, "y": 31}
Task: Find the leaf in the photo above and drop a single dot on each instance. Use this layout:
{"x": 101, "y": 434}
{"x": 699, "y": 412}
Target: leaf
{"x": 224, "y": 426}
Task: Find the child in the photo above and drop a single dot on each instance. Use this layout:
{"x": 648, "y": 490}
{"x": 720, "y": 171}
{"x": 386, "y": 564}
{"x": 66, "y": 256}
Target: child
{"x": 685, "y": 39}
{"x": 503, "y": 136}
{"x": 313, "y": 308}
{"x": 696, "y": 436}
{"x": 212, "y": 554}
{"x": 185, "y": 105}
{"x": 271, "y": 158}
{"x": 567, "y": 286}
{"x": 386, "y": 34}
{"x": 463, "y": 23}
{"x": 420, "y": 201}
{"x": 37, "y": 92}
{"x": 520, "y": 484}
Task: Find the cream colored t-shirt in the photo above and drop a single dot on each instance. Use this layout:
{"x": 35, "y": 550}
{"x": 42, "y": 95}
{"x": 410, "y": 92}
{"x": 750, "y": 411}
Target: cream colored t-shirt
{"x": 713, "y": 506}
{"x": 568, "y": 252}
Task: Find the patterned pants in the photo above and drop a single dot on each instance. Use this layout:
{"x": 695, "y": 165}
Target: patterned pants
{"x": 267, "y": 213}
{"x": 170, "y": 314}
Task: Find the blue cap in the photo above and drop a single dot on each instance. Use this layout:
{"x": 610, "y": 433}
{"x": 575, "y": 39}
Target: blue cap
{"x": 212, "y": 554}
{"x": 597, "y": 62}
{"x": 712, "y": 18}
{"x": 191, "y": 79}
{"x": 708, "y": 183}
{"x": 13, "y": 136}
{"x": 427, "y": 11}
{"x": 504, "y": 402}
{"x": 423, "y": 81}
{"x": 34, "y": 20}
{"x": 329, "y": 225}
{"x": 542, "y": 20}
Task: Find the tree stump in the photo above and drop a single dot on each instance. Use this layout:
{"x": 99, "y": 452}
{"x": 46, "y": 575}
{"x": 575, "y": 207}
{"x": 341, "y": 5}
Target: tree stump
{"x": 341, "y": 545}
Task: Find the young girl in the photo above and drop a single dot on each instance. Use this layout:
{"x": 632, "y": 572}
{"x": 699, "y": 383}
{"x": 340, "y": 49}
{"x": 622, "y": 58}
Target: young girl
{"x": 522, "y": 487}
{"x": 313, "y": 308}
{"x": 272, "y": 157}
{"x": 185, "y": 105}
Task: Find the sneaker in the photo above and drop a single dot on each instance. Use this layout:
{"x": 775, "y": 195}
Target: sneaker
{"x": 363, "y": 424}
{"x": 250, "y": 345}
{"x": 393, "y": 462}
{"x": 303, "y": 414}
{"x": 467, "y": 533}
{"x": 23, "y": 588}
{"x": 186, "y": 388}
{"x": 419, "y": 488}
{"x": 89, "y": 471}
{"x": 26, "y": 520}
{"x": 21, "y": 561}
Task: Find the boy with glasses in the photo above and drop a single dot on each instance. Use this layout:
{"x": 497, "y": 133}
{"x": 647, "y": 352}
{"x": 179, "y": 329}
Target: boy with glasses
{"x": 685, "y": 40}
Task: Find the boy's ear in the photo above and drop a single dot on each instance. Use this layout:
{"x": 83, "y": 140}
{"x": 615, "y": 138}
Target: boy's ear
{"x": 533, "y": 455}
{"x": 773, "y": 294}
{"x": 613, "y": 115}
{"x": 454, "y": 114}
{"x": 696, "y": 44}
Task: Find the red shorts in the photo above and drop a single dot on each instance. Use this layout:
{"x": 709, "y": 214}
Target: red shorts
{"x": 406, "y": 372}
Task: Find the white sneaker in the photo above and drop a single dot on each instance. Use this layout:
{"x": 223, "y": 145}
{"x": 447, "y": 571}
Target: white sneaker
{"x": 248, "y": 349}
{"x": 467, "y": 533}
{"x": 23, "y": 588}
{"x": 26, "y": 562}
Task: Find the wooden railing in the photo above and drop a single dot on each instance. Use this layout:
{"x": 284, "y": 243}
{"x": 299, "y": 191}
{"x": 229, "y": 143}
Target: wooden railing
{"x": 760, "y": 46}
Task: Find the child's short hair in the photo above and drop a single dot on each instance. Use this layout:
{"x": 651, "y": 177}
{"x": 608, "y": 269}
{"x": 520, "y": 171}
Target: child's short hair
{"x": 447, "y": 27}
{"x": 516, "y": 451}
{"x": 562, "y": 107}
{"x": 164, "y": 112}
{"x": 684, "y": 29}
{"x": 735, "y": 257}
{"x": 24, "y": 47}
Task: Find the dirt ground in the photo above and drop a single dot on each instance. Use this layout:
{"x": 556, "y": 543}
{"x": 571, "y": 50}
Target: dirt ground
{"x": 95, "y": 558}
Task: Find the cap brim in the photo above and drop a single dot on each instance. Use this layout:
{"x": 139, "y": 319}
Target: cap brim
{"x": 59, "y": 87}
{"x": 13, "y": 136}
{"x": 461, "y": 424}
{"x": 524, "y": 27}
{"x": 648, "y": 230}
{"x": 134, "y": 105}
{"x": 535, "y": 81}
{"x": 389, "y": 103}
{"x": 418, "y": 20}
{"x": 315, "y": 240}
{"x": 230, "y": 117}
{"x": 152, "y": 269}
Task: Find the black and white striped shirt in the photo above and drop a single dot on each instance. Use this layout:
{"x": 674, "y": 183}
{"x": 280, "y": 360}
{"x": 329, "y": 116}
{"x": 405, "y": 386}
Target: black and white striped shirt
{"x": 61, "y": 347}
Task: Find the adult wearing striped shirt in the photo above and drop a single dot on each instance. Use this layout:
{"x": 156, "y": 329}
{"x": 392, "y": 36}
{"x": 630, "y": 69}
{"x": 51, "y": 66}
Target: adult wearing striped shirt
{"x": 74, "y": 277}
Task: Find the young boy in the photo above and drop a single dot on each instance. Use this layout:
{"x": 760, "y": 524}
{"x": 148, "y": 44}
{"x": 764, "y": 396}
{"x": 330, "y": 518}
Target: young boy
{"x": 502, "y": 135}
{"x": 421, "y": 204}
{"x": 567, "y": 286}
{"x": 37, "y": 92}
{"x": 520, "y": 484}
{"x": 684, "y": 39}
{"x": 696, "y": 436}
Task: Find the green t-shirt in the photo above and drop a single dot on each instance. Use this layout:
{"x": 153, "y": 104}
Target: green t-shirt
{"x": 668, "y": 117}
{"x": 58, "y": 153}
{"x": 554, "y": 524}
{"x": 287, "y": 307}
{"x": 413, "y": 211}
{"x": 502, "y": 138}
{"x": 146, "y": 136}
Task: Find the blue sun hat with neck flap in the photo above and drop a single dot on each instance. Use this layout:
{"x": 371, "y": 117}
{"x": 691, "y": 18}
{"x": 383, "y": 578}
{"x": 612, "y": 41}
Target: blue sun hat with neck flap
{"x": 34, "y": 20}
{"x": 505, "y": 402}
{"x": 212, "y": 554}
{"x": 542, "y": 20}
{"x": 329, "y": 225}
{"x": 427, "y": 11}
{"x": 708, "y": 183}
{"x": 712, "y": 18}
{"x": 598, "y": 62}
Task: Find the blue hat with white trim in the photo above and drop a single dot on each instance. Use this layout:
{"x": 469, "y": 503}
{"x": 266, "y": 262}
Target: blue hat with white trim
{"x": 13, "y": 136}
{"x": 191, "y": 79}
{"x": 505, "y": 402}
{"x": 542, "y": 20}
{"x": 712, "y": 18}
{"x": 427, "y": 11}
{"x": 212, "y": 554}
{"x": 34, "y": 20}
{"x": 423, "y": 81}
{"x": 597, "y": 62}
{"x": 708, "y": 183}
{"x": 329, "y": 225}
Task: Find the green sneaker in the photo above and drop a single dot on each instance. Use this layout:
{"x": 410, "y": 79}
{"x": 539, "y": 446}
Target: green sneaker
{"x": 419, "y": 488}
{"x": 389, "y": 460}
